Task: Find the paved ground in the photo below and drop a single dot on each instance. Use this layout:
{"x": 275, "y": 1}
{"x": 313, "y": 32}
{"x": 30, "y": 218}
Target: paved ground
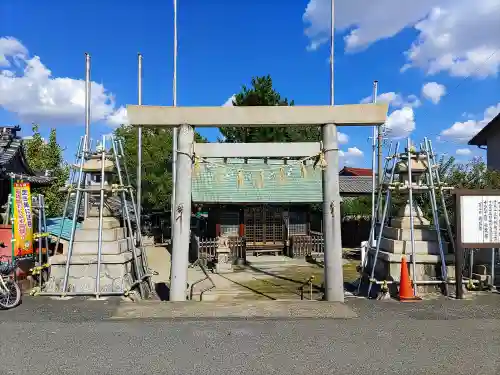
{"x": 80, "y": 337}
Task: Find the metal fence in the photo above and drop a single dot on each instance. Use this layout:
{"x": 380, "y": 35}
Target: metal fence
{"x": 206, "y": 249}
{"x": 306, "y": 245}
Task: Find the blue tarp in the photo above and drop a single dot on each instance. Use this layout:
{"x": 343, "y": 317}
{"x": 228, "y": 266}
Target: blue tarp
{"x": 54, "y": 227}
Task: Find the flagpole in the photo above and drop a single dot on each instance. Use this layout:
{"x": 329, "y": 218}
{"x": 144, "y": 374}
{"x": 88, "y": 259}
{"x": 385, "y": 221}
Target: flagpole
{"x": 139, "y": 149}
{"x": 175, "y": 130}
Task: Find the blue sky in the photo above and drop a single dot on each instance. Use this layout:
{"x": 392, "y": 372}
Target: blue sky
{"x": 436, "y": 61}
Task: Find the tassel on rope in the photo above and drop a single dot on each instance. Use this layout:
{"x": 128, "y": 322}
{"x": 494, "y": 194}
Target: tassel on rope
{"x": 240, "y": 178}
{"x": 260, "y": 180}
{"x": 282, "y": 174}
{"x": 320, "y": 160}
{"x": 196, "y": 169}
{"x": 303, "y": 170}
{"x": 218, "y": 175}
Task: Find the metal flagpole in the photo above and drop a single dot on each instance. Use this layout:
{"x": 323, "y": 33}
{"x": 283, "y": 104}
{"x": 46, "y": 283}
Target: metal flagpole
{"x": 139, "y": 149}
{"x": 87, "y": 126}
{"x": 374, "y": 162}
{"x": 175, "y": 131}
{"x": 334, "y": 284}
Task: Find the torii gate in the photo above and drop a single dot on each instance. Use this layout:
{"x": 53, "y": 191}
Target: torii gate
{"x": 187, "y": 118}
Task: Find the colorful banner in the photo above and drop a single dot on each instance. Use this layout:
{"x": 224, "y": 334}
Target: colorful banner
{"x": 23, "y": 219}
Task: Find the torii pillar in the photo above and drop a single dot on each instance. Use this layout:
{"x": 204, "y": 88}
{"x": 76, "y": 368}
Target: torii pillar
{"x": 276, "y": 116}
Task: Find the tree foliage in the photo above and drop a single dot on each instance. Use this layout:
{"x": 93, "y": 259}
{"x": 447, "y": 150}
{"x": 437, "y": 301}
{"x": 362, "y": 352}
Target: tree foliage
{"x": 156, "y": 163}
{"x": 262, "y": 93}
{"x": 48, "y": 156}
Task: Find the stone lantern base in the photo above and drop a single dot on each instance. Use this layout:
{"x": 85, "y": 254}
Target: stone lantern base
{"x": 396, "y": 243}
{"x": 117, "y": 267}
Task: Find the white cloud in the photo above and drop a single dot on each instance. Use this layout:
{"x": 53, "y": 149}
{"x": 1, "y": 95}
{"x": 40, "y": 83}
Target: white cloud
{"x": 352, "y": 152}
{"x": 229, "y": 102}
{"x": 394, "y": 99}
{"x": 454, "y": 36}
{"x": 351, "y": 156}
{"x": 11, "y": 48}
{"x": 433, "y": 91}
{"x": 400, "y": 123}
{"x": 28, "y": 89}
{"x": 118, "y": 117}
{"x": 459, "y": 37}
{"x": 463, "y": 151}
{"x": 342, "y": 138}
{"x": 462, "y": 132}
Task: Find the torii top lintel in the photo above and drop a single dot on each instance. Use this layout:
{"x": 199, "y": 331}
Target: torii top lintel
{"x": 257, "y": 116}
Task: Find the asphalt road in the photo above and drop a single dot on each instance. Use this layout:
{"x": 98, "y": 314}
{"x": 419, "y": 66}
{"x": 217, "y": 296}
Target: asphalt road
{"x": 76, "y": 337}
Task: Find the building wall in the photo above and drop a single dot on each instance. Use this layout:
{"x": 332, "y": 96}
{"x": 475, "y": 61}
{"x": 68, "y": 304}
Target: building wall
{"x": 492, "y": 152}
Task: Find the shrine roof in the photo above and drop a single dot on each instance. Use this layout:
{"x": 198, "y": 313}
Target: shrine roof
{"x": 13, "y": 162}
{"x": 264, "y": 183}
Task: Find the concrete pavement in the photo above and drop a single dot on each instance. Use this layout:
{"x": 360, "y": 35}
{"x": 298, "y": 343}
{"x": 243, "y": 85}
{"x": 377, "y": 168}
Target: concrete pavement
{"x": 81, "y": 337}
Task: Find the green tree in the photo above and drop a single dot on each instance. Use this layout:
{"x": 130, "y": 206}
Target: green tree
{"x": 156, "y": 163}
{"x": 262, "y": 93}
{"x": 48, "y": 156}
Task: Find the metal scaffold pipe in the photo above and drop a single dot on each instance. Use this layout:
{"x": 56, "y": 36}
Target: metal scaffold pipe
{"x": 87, "y": 124}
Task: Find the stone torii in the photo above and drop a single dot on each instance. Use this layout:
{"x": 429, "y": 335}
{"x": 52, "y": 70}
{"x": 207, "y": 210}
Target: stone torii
{"x": 187, "y": 118}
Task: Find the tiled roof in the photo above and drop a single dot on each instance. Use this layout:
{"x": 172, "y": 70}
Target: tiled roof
{"x": 355, "y": 185}
{"x": 356, "y": 171}
{"x": 219, "y": 184}
{"x": 11, "y": 147}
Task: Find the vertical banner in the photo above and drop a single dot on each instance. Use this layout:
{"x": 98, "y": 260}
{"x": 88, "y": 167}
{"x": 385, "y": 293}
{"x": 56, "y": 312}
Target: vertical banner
{"x": 23, "y": 219}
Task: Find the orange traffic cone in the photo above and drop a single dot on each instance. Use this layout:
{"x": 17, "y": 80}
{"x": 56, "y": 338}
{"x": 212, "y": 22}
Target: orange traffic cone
{"x": 405, "y": 287}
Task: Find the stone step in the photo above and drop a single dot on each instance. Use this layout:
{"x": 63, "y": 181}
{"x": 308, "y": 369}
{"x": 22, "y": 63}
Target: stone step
{"x": 61, "y": 259}
{"x": 107, "y": 223}
{"x": 402, "y": 234}
{"x": 233, "y": 295}
{"x": 405, "y": 246}
{"x": 116, "y": 273}
{"x": 114, "y": 247}
{"x": 92, "y": 235}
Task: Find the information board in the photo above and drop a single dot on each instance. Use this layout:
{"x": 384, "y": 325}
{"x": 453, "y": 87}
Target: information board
{"x": 478, "y": 218}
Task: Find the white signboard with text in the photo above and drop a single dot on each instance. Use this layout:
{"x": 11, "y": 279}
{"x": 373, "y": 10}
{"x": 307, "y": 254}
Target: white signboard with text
{"x": 480, "y": 219}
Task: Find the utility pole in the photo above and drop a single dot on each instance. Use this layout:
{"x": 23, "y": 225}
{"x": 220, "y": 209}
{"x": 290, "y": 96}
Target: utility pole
{"x": 334, "y": 283}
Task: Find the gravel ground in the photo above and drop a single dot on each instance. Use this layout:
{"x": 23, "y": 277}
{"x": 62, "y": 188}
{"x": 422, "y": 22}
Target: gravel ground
{"x": 77, "y": 337}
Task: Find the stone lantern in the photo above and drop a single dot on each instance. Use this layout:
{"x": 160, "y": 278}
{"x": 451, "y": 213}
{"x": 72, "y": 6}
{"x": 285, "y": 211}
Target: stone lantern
{"x": 93, "y": 168}
{"x": 418, "y": 168}
{"x": 396, "y": 237}
{"x": 102, "y": 249}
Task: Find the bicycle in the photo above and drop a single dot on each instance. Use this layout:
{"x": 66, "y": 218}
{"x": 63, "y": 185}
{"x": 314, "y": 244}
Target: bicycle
{"x": 10, "y": 293}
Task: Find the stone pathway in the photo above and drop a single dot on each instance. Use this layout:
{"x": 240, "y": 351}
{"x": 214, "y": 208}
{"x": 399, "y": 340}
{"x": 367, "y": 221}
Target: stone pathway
{"x": 240, "y": 309}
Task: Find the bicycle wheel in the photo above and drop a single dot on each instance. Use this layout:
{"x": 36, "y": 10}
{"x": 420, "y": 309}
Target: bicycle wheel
{"x": 10, "y": 297}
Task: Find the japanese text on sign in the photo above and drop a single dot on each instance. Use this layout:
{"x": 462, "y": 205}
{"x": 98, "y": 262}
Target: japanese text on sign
{"x": 480, "y": 219}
